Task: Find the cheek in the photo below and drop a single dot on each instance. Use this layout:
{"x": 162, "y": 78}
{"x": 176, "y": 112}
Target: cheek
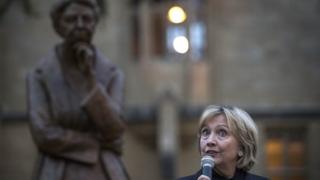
{"x": 231, "y": 148}
{"x": 64, "y": 29}
{"x": 92, "y": 27}
{"x": 202, "y": 145}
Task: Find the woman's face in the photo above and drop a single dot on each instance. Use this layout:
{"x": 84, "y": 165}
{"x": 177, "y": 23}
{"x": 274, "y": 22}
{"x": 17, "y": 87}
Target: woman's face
{"x": 217, "y": 141}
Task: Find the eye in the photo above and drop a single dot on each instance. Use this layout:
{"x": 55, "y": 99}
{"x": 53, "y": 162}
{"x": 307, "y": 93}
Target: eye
{"x": 222, "y": 132}
{"x": 205, "y": 132}
{"x": 69, "y": 19}
{"x": 88, "y": 19}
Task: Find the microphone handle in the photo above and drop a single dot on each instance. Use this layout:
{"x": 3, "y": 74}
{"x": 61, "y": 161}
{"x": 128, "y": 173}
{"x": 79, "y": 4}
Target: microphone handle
{"x": 207, "y": 170}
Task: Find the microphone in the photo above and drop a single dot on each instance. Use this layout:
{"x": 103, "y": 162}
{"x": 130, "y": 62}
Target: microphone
{"x": 207, "y": 164}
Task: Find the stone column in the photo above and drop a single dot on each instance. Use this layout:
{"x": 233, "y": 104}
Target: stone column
{"x": 167, "y": 136}
{"x": 313, "y": 149}
{"x": 145, "y": 27}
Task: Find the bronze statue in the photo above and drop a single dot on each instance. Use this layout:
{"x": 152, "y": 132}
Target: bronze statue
{"x": 75, "y": 101}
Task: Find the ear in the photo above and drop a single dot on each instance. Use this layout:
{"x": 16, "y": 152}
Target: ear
{"x": 240, "y": 153}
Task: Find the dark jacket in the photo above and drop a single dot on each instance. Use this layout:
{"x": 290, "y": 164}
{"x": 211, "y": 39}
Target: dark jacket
{"x": 240, "y": 175}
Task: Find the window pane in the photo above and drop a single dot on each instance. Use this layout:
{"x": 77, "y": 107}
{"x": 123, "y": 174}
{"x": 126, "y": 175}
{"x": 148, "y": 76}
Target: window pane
{"x": 296, "y": 153}
{"x": 285, "y": 153}
{"x": 297, "y": 177}
{"x": 197, "y": 39}
{"x": 275, "y": 153}
{"x": 277, "y": 177}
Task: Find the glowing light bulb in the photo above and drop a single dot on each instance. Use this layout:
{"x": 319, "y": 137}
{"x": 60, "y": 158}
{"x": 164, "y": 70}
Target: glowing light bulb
{"x": 176, "y": 15}
{"x": 181, "y": 44}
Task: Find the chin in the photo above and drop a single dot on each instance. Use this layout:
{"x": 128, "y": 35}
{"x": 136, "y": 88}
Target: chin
{"x": 76, "y": 41}
{"x": 79, "y": 39}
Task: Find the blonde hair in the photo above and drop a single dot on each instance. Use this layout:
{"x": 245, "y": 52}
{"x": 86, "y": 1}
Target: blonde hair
{"x": 242, "y": 127}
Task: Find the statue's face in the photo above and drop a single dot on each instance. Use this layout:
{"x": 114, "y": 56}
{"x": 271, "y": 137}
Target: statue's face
{"x": 77, "y": 23}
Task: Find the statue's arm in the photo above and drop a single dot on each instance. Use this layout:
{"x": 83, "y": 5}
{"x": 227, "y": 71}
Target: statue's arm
{"x": 50, "y": 137}
{"x": 104, "y": 107}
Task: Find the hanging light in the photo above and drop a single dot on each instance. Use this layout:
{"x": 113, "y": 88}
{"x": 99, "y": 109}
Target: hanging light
{"x": 181, "y": 44}
{"x": 176, "y": 15}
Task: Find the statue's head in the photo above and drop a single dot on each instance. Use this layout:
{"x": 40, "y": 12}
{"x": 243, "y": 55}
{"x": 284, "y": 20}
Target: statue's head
{"x": 75, "y": 20}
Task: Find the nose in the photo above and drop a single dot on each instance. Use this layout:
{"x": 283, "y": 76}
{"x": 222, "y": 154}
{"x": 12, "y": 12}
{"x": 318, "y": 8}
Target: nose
{"x": 211, "y": 140}
{"x": 79, "y": 22}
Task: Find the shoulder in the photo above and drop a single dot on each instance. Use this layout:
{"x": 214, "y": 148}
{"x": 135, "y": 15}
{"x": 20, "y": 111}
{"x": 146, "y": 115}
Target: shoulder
{"x": 104, "y": 67}
{"x": 103, "y": 62}
{"x": 251, "y": 176}
{"x": 46, "y": 65}
{"x": 191, "y": 177}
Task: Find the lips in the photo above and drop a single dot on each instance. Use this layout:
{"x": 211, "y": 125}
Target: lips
{"x": 212, "y": 153}
{"x": 79, "y": 35}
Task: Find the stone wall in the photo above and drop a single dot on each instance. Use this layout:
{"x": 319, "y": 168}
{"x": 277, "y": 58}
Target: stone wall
{"x": 265, "y": 53}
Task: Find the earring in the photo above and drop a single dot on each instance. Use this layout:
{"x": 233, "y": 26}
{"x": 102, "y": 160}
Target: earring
{"x": 240, "y": 153}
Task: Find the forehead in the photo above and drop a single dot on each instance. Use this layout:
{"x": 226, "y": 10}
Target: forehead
{"x": 77, "y": 8}
{"x": 216, "y": 120}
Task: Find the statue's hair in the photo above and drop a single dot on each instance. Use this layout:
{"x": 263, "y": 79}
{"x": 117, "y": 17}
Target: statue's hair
{"x": 60, "y": 6}
{"x": 242, "y": 127}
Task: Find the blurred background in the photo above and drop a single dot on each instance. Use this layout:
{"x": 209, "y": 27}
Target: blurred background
{"x": 178, "y": 57}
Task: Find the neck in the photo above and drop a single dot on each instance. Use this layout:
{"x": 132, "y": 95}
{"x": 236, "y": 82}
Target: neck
{"x": 227, "y": 172}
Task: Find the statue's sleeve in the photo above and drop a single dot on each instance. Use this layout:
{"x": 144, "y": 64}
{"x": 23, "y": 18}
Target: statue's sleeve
{"x": 49, "y": 136}
{"x": 104, "y": 106}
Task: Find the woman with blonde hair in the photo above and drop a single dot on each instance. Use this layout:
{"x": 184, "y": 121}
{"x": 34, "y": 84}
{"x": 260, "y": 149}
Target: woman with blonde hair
{"x": 229, "y": 136}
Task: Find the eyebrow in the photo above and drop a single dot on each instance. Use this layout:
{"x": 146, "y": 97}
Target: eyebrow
{"x": 223, "y": 125}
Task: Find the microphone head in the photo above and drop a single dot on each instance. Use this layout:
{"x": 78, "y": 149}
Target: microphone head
{"x": 207, "y": 161}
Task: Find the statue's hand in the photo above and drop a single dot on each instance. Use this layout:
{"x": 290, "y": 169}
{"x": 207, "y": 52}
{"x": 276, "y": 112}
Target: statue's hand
{"x": 85, "y": 56}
